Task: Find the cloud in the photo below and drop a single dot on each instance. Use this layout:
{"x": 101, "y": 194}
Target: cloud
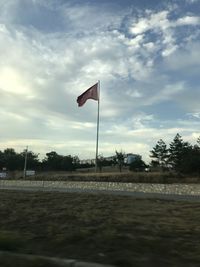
{"x": 192, "y": 1}
{"x": 164, "y": 27}
{"x": 170, "y": 91}
{"x": 188, "y": 20}
{"x": 151, "y": 21}
{"x": 195, "y": 115}
{"x": 143, "y": 59}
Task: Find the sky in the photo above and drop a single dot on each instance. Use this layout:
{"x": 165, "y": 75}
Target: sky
{"x": 144, "y": 52}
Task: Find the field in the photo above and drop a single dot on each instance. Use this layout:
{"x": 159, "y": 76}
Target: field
{"x": 112, "y": 176}
{"x": 117, "y": 230}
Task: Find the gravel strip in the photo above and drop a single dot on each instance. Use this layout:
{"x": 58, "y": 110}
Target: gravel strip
{"x": 58, "y": 261}
{"x": 164, "y": 191}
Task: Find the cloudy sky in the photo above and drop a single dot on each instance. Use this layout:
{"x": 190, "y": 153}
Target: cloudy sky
{"x": 146, "y": 53}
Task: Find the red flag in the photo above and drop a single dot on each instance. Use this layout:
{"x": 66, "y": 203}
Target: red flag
{"x": 91, "y": 93}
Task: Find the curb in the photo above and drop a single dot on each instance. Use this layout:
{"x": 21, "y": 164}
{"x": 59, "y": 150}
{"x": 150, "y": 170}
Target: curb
{"x": 59, "y": 261}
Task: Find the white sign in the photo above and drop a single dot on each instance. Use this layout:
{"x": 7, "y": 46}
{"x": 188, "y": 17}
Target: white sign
{"x": 2, "y": 174}
{"x": 30, "y": 173}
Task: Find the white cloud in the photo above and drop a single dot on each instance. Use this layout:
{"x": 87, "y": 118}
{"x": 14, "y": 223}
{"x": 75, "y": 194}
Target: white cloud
{"x": 195, "y": 115}
{"x": 192, "y": 1}
{"x": 42, "y": 73}
{"x": 186, "y": 58}
{"x": 150, "y": 46}
{"x": 12, "y": 81}
{"x": 170, "y": 91}
{"x": 169, "y": 50}
{"x": 161, "y": 24}
{"x": 153, "y": 21}
{"x": 188, "y": 20}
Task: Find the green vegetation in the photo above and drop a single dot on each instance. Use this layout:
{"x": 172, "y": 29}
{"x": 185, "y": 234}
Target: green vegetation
{"x": 118, "y": 230}
{"x": 11, "y": 160}
{"x": 160, "y": 154}
{"x": 181, "y": 156}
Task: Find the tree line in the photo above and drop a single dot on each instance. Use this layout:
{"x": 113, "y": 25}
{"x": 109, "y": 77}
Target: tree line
{"x": 11, "y": 160}
{"x": 180, "y": 156}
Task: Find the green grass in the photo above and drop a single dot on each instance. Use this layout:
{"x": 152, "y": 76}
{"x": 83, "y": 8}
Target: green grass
{"x": 118, "y": 230}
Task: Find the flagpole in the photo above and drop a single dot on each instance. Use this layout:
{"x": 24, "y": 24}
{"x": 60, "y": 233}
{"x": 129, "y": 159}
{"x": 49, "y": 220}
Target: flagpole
{"x": 97, "y": 141}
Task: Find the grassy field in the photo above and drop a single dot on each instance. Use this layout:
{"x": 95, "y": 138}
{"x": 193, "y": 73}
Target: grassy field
{"x": 117, "y": 230}
{"x": 115, "y": 176}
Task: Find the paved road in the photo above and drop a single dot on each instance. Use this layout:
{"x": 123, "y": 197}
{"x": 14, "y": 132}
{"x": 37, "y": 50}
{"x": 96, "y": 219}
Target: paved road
{"x": 142, "y": 195}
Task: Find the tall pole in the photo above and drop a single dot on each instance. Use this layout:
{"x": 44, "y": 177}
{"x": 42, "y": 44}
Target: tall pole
{"x": 97, "y": 141}
{"x": 25, "y": 162}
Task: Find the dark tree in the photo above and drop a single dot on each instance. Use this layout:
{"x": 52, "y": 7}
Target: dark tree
{"x": 177, "y": 151}
{"x": 137, "y": 165}
{"x": 32, "y": 160}
{"x": 12, "y": 160}
{"x": 191, "y": 161}
{"x": 160, "y": 155}
{"x": 66, "y": 163}
{"x": 198, "y": 142}
{"x": 56, "y": 162}
{"x": 76, "y": 162}
{"x": 120, "y": 156}
{"x": 2, "y": 162}
{"x": 51, "y": 161}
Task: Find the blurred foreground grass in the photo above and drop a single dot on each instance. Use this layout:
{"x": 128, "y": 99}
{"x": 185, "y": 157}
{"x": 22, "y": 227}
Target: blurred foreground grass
{"x": 118, "y": 230}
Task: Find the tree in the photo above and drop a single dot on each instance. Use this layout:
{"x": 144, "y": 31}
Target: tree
{"x": 2, "y": 163}
{"x": 137, "y": 165}
{"x": 32, "y": 159}
{"x": 191, "y": 159}
{"x": 56, "y": 162}
{"x": 190, "y": 162}
{"x": 160, "y": 154}
{"x": 12, "y": 160}
{"x": 198, "y": 142}
{"x": 52, "y": 160}
{"x": 120, "y": 156}
{"x": 76, "y": 162}
{"x": 177, "y": 151}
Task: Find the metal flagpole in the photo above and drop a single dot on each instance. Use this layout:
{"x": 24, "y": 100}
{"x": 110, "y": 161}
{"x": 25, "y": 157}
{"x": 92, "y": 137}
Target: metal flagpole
{"x": 97, "y": 141}
{"x": 25, "y": 162}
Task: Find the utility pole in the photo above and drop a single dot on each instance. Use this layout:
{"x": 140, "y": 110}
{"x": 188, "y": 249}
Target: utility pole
{"x": 25, "y": 162}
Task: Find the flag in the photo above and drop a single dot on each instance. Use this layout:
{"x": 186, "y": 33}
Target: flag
{"x": 91, "y": 93}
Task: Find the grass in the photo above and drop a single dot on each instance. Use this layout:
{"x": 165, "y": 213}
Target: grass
{"x": 118, "y": 230}
{"x": 114, "y": 176}
{"x": 8, "y": 260}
